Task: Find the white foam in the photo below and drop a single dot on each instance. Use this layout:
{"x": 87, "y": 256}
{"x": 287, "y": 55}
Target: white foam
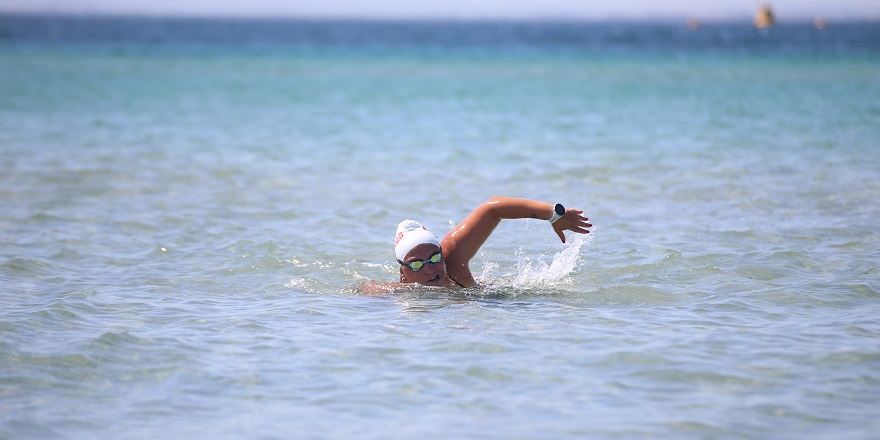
{"x": 297, "y": 283}
{"x": 535, "y": 273}
{"x": 539, "y": 273}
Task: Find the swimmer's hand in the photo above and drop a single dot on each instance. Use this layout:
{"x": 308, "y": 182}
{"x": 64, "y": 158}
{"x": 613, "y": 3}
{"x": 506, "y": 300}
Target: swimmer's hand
{"x": 573, "y": 220}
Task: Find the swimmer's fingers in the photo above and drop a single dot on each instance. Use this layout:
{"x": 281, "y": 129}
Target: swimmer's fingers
{"x": 560, "y": 233}
{"x": 582, "y": 221}
{"x": 575, "y": 215}
{"x": 582, "y": 225}
{"x": 580, "y": 230}
{"x": 574, "y": 221}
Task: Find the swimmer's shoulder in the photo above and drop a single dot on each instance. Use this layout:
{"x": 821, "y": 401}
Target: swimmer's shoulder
{"x": 377, "y": 288}
{"x": 462, "y": 279}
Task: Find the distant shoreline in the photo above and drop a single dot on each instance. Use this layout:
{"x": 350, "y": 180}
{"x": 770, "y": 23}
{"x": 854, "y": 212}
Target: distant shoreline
{"x": 744, "y": 20}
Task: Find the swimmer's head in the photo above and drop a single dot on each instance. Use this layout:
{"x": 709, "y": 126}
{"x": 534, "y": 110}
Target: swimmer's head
{"x": 410, "y": 234}
{"x": 419, "y": 254}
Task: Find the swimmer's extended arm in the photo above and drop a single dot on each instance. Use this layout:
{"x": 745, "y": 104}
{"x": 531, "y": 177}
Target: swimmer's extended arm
{"x": 374, "y": 288}
{"x": 462, "y": 243}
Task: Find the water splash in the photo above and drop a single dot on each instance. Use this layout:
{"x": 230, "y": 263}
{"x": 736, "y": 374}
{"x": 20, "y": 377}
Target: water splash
{"x": 298, "y": 283}
{"x": 532, "y": 274}
{"x": 539, "y": 273}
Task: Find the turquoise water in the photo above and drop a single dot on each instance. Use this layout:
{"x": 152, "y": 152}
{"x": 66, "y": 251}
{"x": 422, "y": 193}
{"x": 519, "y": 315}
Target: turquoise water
{"x": 186, "y": 214}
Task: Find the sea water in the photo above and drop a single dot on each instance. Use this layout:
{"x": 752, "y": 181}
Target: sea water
{"x": 187, "y": 209}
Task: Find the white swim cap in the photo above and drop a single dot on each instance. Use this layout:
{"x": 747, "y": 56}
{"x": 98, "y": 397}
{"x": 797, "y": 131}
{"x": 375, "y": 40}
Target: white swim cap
{"x": 410, "y": 234}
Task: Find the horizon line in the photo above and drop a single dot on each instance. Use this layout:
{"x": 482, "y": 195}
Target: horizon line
{"x": 715, "y": 18}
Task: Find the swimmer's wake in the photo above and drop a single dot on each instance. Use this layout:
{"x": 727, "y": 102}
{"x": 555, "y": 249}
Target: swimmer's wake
{"x": 538, "y": 274}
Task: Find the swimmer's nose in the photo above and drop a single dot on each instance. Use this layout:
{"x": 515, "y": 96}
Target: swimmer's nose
{"x": 433, "y": 274}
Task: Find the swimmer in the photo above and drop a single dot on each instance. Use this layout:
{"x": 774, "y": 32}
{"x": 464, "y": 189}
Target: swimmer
{"x": 445, "y": 263}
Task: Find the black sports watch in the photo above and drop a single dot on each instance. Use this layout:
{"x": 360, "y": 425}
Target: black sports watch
{"x": 558, "y": 212}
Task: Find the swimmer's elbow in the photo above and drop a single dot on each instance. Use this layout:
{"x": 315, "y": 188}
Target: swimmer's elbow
{"x": 498, "y": 207}
{"x": 494, "y": 200}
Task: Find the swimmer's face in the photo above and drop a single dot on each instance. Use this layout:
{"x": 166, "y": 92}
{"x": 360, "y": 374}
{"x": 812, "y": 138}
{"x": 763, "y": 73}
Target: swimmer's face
{"x": 431, "y": 274}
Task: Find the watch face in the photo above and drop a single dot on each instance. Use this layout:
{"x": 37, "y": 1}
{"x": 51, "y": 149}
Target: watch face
{"x": 560, "y": 209}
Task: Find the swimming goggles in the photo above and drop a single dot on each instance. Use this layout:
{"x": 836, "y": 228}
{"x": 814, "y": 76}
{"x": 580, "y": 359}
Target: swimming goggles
{"x": 419, "y": 264}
